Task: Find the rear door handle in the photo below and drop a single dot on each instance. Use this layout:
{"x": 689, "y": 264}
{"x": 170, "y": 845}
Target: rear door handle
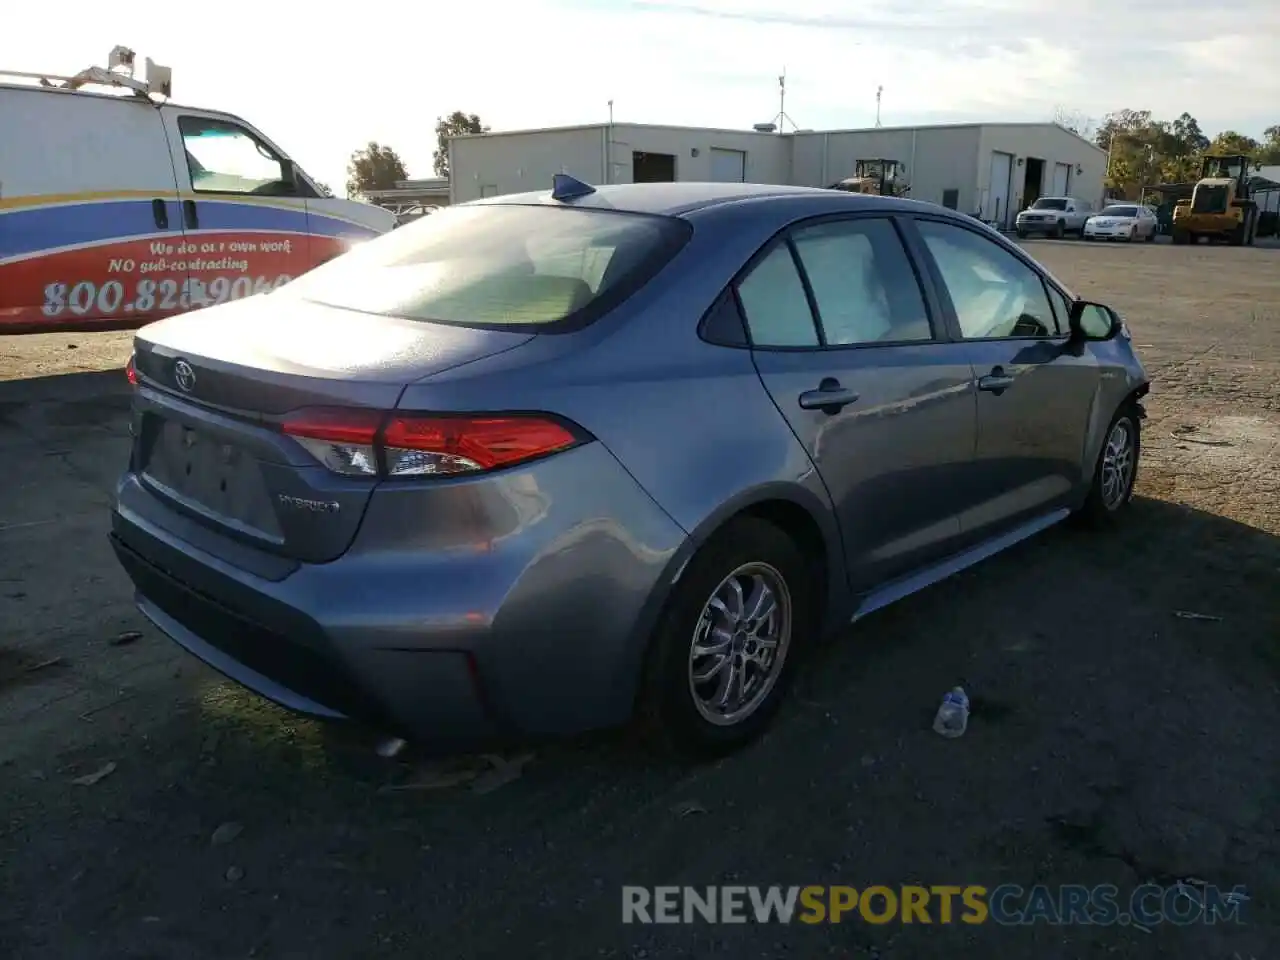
{"x": 160, "y": 211}
{"x": 830, "y": 397}
{"x": 189, "y": 215}
{"x": 997, "y": 381}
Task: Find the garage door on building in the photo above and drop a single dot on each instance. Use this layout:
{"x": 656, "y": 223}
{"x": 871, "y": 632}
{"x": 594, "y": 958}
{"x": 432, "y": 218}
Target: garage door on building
{"x": 1061, "y": 179}
{"x": 728, "y": 166}
{"x": 1001, "y": 174}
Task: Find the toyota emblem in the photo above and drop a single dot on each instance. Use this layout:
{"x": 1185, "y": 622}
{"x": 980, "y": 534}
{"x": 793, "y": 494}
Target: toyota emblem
{"x": 184, "y": 375}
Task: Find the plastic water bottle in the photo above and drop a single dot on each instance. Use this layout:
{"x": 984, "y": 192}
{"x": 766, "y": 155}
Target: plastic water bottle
{"x": 953, "y": 715}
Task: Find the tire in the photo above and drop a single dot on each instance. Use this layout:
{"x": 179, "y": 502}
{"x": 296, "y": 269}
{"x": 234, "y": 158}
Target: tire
{"x": 1151, "y": 237}
{"x": 1180, "y": 236}
{"x": 673, "y": 709}
{"x": 1061, "y": 230}
{"x": 1105, "y": 504}
{"x": 1022, "y": 234}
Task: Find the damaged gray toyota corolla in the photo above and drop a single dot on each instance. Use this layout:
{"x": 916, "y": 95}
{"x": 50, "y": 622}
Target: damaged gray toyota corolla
{"x": 544, "y": 463}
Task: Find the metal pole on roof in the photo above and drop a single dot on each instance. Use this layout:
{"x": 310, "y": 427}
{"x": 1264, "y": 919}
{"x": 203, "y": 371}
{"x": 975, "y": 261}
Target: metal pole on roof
{"x": 879, "y": 91}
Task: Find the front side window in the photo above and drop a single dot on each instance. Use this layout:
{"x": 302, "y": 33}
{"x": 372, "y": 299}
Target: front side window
{"x": 225, "y": 158}
{"x": 995, "y": 294}
{"x": 1061, "y": 308}
{"x": 863, "y": 284}
{"x": 504, "y": 265}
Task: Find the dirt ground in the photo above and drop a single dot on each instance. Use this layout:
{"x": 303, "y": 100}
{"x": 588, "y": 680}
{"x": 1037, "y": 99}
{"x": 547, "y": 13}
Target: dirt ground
{"x": 1112, "y": 739}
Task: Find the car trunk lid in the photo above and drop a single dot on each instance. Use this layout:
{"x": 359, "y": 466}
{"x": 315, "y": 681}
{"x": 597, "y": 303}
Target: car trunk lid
{"x": 215, "y": 386}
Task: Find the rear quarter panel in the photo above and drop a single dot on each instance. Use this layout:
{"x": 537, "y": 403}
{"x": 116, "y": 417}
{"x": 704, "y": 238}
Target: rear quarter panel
{"x": 691, "y": 422}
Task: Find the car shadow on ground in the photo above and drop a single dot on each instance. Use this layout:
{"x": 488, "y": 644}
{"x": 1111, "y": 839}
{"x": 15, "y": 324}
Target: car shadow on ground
{"x": 1124, "y": 687}
{"x": 94, "y": 398}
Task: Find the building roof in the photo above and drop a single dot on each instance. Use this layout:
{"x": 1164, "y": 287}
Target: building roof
{"x": 794, "y": 133}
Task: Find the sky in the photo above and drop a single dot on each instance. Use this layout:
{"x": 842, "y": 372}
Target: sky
{"x": 320, "y": 86}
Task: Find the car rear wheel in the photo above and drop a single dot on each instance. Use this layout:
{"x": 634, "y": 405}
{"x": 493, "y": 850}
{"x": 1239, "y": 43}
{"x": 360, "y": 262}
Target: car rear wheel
{"x": 725, "y": 649}
{"x": 1116, "y": 471}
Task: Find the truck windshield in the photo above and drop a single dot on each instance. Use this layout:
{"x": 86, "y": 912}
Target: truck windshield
{"x": 503, "y": 265}
{"x": 1209, "y": 199}
{"x": 1049, "y": 203}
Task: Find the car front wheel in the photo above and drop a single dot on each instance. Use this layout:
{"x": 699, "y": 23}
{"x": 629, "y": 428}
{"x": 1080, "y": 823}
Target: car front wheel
{"x": 724, "y": 652}
{"x": 1116, "y": 471}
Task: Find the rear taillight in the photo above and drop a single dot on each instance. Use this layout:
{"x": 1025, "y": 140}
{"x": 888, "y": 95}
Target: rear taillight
{"x": 131, "y": 371}
{"x": 368, "y": 443}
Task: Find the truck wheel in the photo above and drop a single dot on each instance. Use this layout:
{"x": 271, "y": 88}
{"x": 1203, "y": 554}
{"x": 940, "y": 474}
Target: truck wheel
{"x": 1061, "y": 230}
{"x": 1022, "y": 234}
{"x": 1238, "y": 235}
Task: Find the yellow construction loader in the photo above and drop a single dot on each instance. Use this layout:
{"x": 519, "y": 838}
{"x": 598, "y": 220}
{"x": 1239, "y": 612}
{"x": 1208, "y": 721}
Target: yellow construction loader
{"x": 1221, "y": 207}
{"x": 882, "y": 178}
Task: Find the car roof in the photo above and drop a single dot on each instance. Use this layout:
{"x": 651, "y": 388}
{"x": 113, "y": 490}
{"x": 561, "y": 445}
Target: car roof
{"x": 678, "y": 199}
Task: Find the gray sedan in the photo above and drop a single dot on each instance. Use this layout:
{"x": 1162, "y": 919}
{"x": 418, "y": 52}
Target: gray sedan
{"x": 550, "y": 462}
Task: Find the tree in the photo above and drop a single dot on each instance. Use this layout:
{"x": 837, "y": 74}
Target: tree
{"x": 1074, "y": 120}
{"x": 1122, "y": 123}
{"x": 1270, "y": 152}
{"x": 454, "y": 125}
{"x": 376, "y": 167}
{"x": 324, "y": 188}
{"x": 1230, "y": 142}
{"x": 1179, "y": 145}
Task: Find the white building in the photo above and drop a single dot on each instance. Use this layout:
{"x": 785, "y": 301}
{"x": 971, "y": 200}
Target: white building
{"x": 993, "y": 169}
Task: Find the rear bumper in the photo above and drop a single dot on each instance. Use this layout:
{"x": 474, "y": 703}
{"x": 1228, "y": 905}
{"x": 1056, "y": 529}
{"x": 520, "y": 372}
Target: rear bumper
{"x": 538, "y": 634}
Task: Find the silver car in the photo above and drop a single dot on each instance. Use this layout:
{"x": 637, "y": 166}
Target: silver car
{"x": 543, "y": 463}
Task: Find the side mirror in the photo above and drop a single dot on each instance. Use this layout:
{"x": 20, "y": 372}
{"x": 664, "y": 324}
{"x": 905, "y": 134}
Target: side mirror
{"x": 1094, "y": 321}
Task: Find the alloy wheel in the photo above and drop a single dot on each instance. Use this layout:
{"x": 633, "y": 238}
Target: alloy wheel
{"x": 740, "y": 644}
{"x": 1117, "y": 465}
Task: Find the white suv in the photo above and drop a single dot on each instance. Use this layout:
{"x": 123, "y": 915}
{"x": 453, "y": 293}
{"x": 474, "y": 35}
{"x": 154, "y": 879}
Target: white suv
{"x": 1054, "y": 216}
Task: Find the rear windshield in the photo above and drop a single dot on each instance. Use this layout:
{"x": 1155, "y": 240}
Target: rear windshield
{"x": 1119, "y": 212}
{"x": 499, "y": 265}
{"x": 1049, "y": 203}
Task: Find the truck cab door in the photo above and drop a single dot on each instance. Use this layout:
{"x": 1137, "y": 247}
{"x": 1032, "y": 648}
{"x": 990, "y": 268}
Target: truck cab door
{"x": 244, "y": 219}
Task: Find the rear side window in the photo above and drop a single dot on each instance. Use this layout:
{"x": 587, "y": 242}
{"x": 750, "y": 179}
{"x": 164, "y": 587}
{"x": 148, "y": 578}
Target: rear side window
{"x": 499, "y": 265}
{"x": 774, "y": 302}
{"x": 863, "y": 284}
